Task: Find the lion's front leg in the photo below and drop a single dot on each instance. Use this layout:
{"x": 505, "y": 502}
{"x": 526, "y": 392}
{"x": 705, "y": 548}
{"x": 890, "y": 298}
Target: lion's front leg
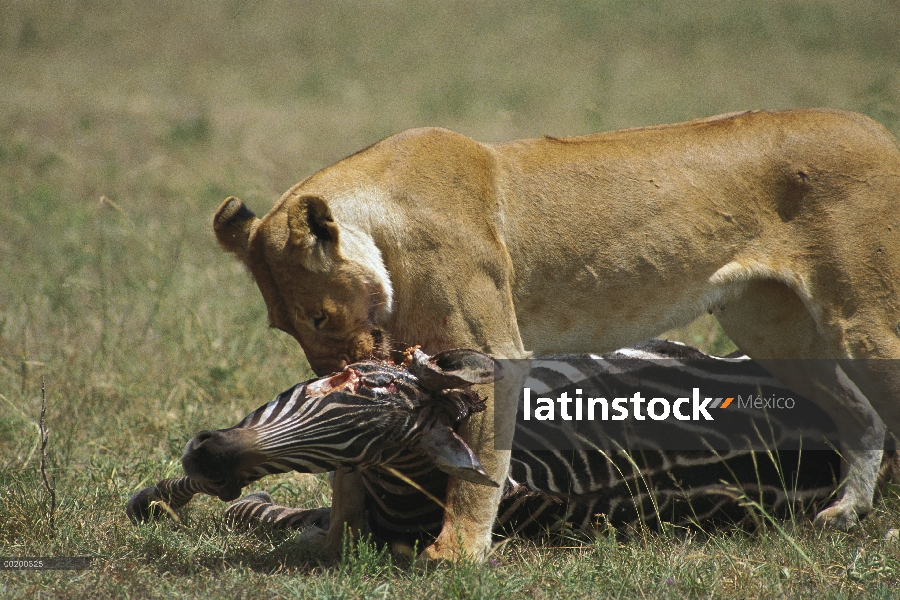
{"x": 472, "y": 508}
{"x": 348, "y": 512}
{"x": 486, "y": 321}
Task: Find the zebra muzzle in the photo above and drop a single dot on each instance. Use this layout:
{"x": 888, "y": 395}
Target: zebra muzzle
{"x": 220, "y": 460}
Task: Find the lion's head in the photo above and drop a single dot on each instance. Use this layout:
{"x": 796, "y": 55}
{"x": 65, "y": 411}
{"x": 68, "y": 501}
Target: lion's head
{"x": 323, "y": 283}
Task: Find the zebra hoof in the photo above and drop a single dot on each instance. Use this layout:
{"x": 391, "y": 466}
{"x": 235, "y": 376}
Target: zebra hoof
{"x": 312, "y": 542}
{"x": 142, "y": 508}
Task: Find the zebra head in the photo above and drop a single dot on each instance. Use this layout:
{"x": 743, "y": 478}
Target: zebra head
{"x": 365, "y": 415}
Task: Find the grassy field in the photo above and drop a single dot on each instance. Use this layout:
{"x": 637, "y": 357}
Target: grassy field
{"x": 123, "y": 125}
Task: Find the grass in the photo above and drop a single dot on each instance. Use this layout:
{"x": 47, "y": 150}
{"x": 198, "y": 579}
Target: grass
{"x": 123, "y": 125}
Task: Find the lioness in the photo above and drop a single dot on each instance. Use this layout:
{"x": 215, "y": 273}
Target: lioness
{"x": 783, "y": 224}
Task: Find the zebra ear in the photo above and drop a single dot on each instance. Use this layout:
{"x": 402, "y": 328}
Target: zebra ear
{"x": 452, "y": 455}
{"x": 454, "y": 369}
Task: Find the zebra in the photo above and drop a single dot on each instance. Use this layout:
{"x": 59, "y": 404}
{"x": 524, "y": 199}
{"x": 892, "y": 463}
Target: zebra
{"x": 372, "y": 415}
{"x": 396, "y": 424}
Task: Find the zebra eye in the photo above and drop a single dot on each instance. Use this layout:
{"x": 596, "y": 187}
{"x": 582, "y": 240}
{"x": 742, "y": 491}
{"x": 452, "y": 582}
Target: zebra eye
{"x": 318, "y": 319}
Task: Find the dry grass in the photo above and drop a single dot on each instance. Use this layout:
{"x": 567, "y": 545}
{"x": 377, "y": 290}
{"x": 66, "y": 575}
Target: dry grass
{"x": 145, "y": 332}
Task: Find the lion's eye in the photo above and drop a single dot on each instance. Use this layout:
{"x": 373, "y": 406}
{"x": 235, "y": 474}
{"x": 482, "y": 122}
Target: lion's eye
{"x": 318, "y": 319}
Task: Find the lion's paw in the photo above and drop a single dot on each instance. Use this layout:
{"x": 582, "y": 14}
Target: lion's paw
{"x": 841, "y": 516}
{"x": 440, "y": 553}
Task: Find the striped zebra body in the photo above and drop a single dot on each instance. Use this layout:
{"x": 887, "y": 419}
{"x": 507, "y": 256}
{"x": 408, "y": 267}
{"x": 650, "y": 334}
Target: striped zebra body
{"x": 550, "y": 488}
{"x": 398, "y": 512}
{"x": 380, "y": 418}
{"x": 652, "y": 481}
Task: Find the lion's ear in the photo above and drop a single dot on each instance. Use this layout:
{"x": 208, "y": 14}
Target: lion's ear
{"x": 310, "y": 215}
{"x": 233, "y": 223}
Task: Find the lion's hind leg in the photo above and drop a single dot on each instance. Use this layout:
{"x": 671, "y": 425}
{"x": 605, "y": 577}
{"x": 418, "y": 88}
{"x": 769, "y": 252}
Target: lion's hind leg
{"x": 767, "y": 320}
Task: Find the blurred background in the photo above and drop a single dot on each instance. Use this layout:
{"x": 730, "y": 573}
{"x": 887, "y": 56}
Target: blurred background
{"x": 123, "y": 125}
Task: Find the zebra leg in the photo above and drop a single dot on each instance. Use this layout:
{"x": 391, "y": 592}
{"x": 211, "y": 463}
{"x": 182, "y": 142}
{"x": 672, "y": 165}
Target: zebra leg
{"x": 174, "y": 492}
{"x": 259, "y": 507}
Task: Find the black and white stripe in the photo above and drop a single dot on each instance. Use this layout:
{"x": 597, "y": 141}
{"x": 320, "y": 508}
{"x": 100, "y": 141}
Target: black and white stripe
{"x": 373, "y": 427}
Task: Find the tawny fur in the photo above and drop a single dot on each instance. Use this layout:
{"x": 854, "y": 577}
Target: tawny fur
{"x": 783, "y": 224}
